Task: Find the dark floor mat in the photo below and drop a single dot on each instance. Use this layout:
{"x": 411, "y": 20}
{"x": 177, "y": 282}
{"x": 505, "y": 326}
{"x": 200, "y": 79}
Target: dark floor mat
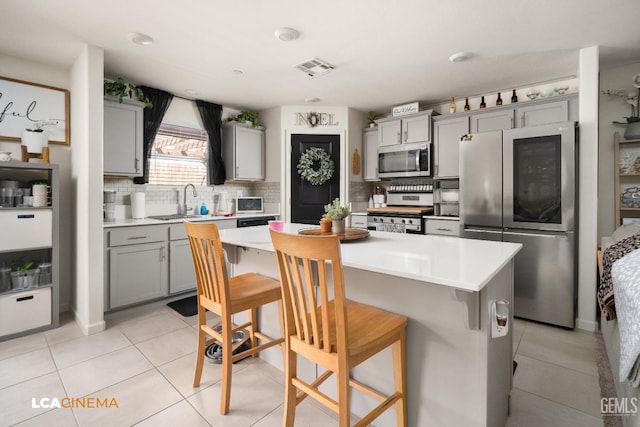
{"x": 186, "y": 306}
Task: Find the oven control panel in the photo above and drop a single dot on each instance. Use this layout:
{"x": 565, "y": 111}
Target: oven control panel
{"x": 395, "y": 224}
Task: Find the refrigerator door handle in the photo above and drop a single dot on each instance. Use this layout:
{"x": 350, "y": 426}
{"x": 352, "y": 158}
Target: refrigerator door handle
{"x": 541, "y": 233}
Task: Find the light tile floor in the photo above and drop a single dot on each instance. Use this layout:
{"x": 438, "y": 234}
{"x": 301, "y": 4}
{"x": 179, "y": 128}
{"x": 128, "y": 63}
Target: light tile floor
{"x": 145, "y": 360}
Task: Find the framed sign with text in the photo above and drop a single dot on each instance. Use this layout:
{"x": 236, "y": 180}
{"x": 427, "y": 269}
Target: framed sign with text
{"x": 24, "y": 104}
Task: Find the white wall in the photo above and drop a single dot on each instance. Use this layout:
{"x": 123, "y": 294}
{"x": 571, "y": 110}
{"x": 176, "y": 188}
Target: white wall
{"x": 59, "y": 154}
{"x": 611, "y": 108}
{"x": 87, "y": 127}
{"x": 588, "y": 187}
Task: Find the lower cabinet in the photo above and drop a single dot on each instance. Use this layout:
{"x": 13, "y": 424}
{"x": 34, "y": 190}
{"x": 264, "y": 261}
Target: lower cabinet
{"x": 147, "y": 262}
{"x": 182, "y": 276}
{"x": 445, "y": 227}
{"x": 137, "y": 273}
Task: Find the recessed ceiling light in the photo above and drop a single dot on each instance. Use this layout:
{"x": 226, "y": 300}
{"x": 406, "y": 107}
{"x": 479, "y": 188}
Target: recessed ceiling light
{"x": 312, "y": 99}
{"x": 287, "y": 34}
{"x": 190, "y": 92}
{"x": 459, "y": 57}
{"x": 141, "y": 39}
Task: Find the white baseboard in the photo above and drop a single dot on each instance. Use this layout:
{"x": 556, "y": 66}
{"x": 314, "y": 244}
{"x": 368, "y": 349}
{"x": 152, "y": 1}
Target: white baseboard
{"x": 89, "y": 329}
{"x": 587, "y": 325}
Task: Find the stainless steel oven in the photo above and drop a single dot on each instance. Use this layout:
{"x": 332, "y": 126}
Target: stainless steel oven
{"x": 407, "y": 206}
{"x": 404, "y": 160}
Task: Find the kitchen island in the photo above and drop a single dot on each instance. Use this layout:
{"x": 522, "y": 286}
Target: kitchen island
{"x": 457, "y": 374}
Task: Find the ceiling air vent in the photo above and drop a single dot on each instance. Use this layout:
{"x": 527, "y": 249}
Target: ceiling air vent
{"x": 314, "y": 67}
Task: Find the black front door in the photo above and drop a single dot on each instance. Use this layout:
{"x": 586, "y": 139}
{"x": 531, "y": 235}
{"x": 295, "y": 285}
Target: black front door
{"x": 307, "y": 199}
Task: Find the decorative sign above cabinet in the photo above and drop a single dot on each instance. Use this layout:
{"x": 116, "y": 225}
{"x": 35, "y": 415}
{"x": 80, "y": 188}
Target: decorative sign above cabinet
{"x": 315, "y": 119}
{"x": 402, "y": 110}
{"x": 23, "y": 104}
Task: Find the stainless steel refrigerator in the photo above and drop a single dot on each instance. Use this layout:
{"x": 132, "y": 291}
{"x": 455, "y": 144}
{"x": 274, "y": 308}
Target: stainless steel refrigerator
{"x": 519, "y": 185}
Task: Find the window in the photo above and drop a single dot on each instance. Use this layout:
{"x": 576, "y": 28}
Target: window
{"x": 178, "y": 156}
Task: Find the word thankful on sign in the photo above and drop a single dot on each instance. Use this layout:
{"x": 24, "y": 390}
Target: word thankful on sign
{"x": 315, "y": 119}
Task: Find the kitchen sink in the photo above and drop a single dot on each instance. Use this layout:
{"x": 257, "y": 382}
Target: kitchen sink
{"x": 171, "y": 216}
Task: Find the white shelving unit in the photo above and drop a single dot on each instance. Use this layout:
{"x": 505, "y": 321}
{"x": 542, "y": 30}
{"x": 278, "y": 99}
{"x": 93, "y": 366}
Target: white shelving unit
{"x": 30, "y": 234}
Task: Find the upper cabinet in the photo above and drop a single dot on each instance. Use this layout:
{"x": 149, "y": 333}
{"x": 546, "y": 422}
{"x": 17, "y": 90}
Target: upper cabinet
{"x": 370, "y": 155}
{"x": 243, "y": 152}
{"x": 123, "y": 137}
{"x": 446, "y": 136}
{"x": 532, "y": 113}
{"x": 405, "y": 129}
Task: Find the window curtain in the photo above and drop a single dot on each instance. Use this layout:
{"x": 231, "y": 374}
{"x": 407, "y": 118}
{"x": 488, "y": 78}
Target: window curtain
{"x": 152, "y": 120}
{"x": 211, "y": 115}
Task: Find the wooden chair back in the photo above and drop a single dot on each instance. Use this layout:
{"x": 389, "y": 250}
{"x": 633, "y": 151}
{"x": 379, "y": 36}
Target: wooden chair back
{"x": 209, "y": 263}
{"x": 304, "y": 263}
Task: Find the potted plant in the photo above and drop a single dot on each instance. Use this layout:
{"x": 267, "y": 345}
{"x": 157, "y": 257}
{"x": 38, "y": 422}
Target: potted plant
{"x": 36, "y": 138}
{"x": 371, "y": 118}
{"x": 632, "y": 130}
{"x": 23, "y": 278}
{"x": 121, "y": 89}
{"x": 337, "y": 212}
{"x": 248, "y": 117}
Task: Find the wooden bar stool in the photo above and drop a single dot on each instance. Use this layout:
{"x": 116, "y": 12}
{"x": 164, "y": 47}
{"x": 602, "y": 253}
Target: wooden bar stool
{"x": 337, "y": 334}
{"x": 226, "y": 296}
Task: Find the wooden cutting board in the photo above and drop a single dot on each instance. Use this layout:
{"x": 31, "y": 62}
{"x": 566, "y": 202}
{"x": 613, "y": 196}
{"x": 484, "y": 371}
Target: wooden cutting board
{"x": 402, "y": 209}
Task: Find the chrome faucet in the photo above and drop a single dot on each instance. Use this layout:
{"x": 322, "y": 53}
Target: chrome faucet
{"x": 185, "y": 209}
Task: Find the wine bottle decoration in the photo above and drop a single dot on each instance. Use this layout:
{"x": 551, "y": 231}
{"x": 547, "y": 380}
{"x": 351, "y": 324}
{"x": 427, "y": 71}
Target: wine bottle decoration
{"x": 466, "y": 104}
{"x": 482, "y": 103}
{"x": 514, "y": 97}
{"x": 499, "y": 100}
{"x": 452, "y": 105}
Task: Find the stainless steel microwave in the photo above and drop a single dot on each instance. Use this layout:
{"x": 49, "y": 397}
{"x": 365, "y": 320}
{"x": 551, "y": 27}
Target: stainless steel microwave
{"x": 404, "y": 160}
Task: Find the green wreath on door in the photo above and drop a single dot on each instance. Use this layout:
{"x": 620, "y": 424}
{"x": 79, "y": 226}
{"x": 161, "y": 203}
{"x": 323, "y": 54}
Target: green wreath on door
{"x": 308, "y": 159}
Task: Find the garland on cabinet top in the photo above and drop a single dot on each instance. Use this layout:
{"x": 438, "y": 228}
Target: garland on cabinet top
{"x": 308, "y": 159}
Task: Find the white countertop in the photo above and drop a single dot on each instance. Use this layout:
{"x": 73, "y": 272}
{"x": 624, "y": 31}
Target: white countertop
{"x": 125, "y": 222}
{"x": 449, "y": 261}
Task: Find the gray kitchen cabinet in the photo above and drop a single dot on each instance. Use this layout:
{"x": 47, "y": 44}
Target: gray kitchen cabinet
{"x": 370, "y": 154}
{"x": 123, "y": 124}
{"x": 30, "y": 235}
{"x": 446, "y": 135}
{"x": 182, "y": 275}
{"x": 136, "y": 265}
{"x": 407, "y": 129}
{"x": 542, "y": 114}
{"x": 531, "y": 113}
{"x": 243, "y": 152}
{"x": 492, "y": 120}
{"x": 444, "y": 227}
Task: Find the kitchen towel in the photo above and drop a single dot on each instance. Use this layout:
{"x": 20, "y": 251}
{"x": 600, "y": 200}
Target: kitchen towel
{"x": 137, "y": 205}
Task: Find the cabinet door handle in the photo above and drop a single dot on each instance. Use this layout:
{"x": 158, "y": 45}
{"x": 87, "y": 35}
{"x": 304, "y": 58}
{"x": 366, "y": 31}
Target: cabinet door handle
{"x": 137, "y": 164}
{"x": 522, "y": 120}
{"x": 162, "y": 255}
{"x": 512, "y": 124}
{"x": 399, "y": 138}
{"x": 444, "y": 229}
{"x": 406, "y": 135}
{"x": 24, "y": 298}
{"x": 137, "y": 237}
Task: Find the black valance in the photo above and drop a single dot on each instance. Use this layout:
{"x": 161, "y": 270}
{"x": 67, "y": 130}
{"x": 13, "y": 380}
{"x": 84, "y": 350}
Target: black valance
{"x": 152, "y": 120}
{"x": 211, "y": 115}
